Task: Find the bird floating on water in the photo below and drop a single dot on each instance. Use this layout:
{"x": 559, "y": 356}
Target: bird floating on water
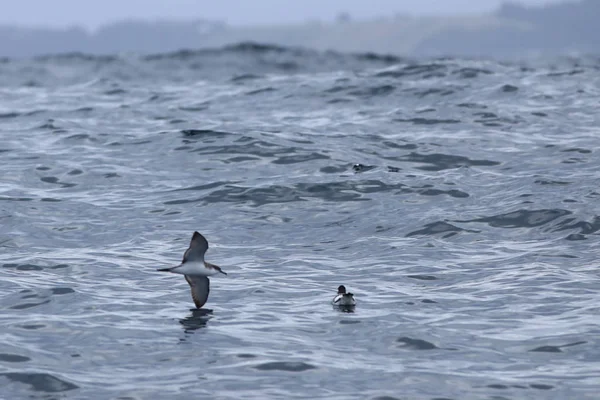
{"x": 195, "y": 270}
{"x": 343, "y": 298}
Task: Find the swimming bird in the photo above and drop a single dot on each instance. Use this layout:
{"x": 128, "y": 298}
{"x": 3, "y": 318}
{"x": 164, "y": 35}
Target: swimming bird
{"x": 342, "y": 298}
{"x": 195, "y": 270}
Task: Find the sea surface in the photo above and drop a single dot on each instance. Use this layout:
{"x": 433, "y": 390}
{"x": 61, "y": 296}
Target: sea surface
{"x": 458, "y": 199}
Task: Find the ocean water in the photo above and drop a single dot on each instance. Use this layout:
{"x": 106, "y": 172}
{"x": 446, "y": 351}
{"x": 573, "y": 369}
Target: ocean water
{"x": 458, "y": 199}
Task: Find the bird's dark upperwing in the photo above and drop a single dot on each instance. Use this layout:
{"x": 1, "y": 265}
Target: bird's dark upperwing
{"x": 197, "y": 249}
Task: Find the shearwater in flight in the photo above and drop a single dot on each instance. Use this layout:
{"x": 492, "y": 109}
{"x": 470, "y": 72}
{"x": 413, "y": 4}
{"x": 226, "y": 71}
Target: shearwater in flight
{"x": 195, "y": 270}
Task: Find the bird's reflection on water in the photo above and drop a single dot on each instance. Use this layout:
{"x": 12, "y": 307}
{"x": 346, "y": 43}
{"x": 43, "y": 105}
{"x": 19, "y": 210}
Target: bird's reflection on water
{"x": 198, "y": 319}
{"x": 345, "y": 309}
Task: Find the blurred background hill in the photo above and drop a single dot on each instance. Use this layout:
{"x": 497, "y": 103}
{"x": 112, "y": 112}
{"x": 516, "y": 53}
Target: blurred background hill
{"x": 511, "y": 30}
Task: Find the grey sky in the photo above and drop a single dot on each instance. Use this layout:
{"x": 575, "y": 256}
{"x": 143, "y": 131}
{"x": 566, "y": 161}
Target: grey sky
{"x": 92, "y": 13}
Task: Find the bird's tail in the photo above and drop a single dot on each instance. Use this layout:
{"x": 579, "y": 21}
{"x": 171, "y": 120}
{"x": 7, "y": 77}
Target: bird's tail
{"x": 165, "y": 269}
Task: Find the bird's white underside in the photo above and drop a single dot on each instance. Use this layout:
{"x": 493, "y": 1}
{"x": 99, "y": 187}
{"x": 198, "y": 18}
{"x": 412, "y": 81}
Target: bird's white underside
{"x": 194, "y": 268}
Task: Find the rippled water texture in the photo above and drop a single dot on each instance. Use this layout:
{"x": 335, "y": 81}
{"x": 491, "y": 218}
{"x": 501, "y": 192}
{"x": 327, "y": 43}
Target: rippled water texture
{"x": 457, "y": 199}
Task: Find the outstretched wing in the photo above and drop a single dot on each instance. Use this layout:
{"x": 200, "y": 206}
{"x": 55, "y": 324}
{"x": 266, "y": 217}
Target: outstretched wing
{"x": 200, "y": 286}
{"x": 197, "y": 249}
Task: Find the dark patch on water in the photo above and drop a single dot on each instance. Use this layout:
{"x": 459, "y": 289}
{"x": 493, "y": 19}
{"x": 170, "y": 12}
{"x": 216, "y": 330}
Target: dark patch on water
{"x": 81, "y": 136}
{"x": 2, "y": 198}
{"x": 522, "y": 218}
{"x": 541, "y": 386}
{"x": 242, "y": 159}
{"x": 246, "y": 77}
{"x": 550, "y": 182}
{"x": 254, "y": 47}
{"x": 25, "y": 306}
{"x": 257, "y": 148}
{"x": 115, "y": 92}
{"x": 55, "y": 180}
{"x": 577, "y": 150}
{"x": 576, "y": 236}
{"x": 196, "y": 107}
{"x": 33, "y": 326}
{"x": 340, "y": 88}
{"x": 427, "y": 121}
{"x": 498, "y": 386}
{"x": 439, "y": 227}
{"x": 423, "y": 71}
{"x": 492, "y": 120}
{"x": 485, "y": 116}
{"x": 383, "y": 90}
{"x": 84, "y": 109}
{"x": 574, "y": 160}
{"x": 288, "y": 366}
{"x": 547, "y": 349}
{"x": 422, "y": 277}
{"x": 385, "y": 398}
{"x": 13, "y": 358}
{"x": 437, "y": 192}
{"x": 77, "y": 56}
{"x": 584, "y": 227}
{"x": 300, "y": 158}
{"x": 377, "y": 57}
{"x": 431, "y": 92}
{"x": 471, "y": 73}
{"x": 23, "y": 267}
{"x": 509, "y": 88}
{"x": 8, "y": 115}
{"x": 472, "y": 105}
{"x": 260, "y": 91}
{"x": 566, "y": 73}
{"x": 49, "y": 125}
{"x": 203, "y": 133}
{"x": 393, "y": 145}
{"x": 40, "y": 382}
{"x": 245, "y": 355}
{"x": 339, "y": 100}
{"x": 349, "y": 322}
{"x": 207, "y": 186}
{"x": 416, "y": 344}
{"x": 555, "y": 349}
{"x": 62, "y": 290}
{"x": 333, "y": 170}
{"x": 440, "y": 162}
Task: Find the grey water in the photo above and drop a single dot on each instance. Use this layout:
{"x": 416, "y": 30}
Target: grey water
{"x": 458, "y": 199}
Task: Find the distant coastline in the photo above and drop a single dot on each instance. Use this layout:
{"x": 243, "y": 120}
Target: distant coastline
{"x": 512, "y": 31}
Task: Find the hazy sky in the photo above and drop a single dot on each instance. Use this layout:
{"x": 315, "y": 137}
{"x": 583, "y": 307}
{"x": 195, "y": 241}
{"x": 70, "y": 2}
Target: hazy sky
{"x": 92, "y": 13}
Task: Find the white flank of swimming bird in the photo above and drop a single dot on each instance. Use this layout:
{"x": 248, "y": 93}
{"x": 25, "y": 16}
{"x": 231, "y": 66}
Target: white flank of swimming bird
{"x": 342, "y": 298}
